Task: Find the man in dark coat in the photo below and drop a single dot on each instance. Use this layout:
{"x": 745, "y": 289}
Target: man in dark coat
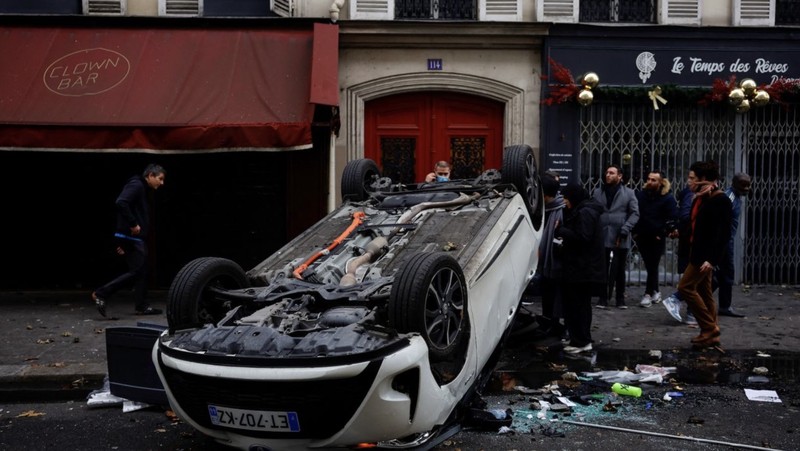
{"x": 724, "y": 274}
{"x": 133, "y": 225}
{"x": 620, "y": 214}
{"x": 583, "y": 264}
{"x": 710, "y": 232}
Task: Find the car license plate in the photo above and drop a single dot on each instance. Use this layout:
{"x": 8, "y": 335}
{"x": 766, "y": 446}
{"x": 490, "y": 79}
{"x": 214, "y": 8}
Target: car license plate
{"x": 254, "y": 420}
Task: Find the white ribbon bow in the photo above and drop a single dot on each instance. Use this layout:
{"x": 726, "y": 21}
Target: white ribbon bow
{"x": 654, "y": 95}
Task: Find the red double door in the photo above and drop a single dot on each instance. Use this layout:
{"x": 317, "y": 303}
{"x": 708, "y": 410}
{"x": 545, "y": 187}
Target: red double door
{"x": 406, "y": 134}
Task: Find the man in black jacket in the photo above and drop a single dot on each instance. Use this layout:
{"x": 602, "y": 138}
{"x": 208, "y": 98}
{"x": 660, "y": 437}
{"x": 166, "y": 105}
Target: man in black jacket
{"x": 133, "y": 224}
{"x": 658, "y": 218}
{"x": 710, "y": 232}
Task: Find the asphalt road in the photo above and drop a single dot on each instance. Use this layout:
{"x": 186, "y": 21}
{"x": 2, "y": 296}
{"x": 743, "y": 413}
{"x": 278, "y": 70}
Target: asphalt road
{"x": 72, "y": 425}
{"x": 41, "y": 339}
{"x": 713, "y": 412}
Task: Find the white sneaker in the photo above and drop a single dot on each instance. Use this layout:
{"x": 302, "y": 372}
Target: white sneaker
{"x": 690, "y": 319}
{"x": 646, "y": 301}
{"x": 656, "y": 298}
{"x": 577, "y": 349}
{"x": 673, "y": 306}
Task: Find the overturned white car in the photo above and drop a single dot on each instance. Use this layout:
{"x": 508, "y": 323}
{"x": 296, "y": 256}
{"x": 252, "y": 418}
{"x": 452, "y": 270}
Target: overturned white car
{"x": 375, "y": 326}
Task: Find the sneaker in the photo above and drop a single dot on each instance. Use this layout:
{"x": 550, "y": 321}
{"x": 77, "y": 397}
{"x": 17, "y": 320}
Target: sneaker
{"x": 646, "y": 301}
{"x": 690, "y": 319}
{"x": 149, "y": 311}
{"x": 100, "y": 303}
{"x": 673, "y": 306}
{"x": 602, "y": 303}
{"x": 577, "y": 349}
{"x": 621, "y": 304}
{"x": 656, "y": 298}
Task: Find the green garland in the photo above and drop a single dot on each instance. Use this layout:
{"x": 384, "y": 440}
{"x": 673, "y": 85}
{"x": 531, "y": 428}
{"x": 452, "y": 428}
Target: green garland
{"x": 675, "y": 95}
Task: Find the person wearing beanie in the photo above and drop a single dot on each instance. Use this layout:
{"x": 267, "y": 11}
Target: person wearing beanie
{"x": 583, "y": 264}
{"x": 549, "y": 259}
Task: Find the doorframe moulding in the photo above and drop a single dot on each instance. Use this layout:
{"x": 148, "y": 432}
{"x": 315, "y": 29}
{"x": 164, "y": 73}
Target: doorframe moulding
{"x": 357, "y": 95}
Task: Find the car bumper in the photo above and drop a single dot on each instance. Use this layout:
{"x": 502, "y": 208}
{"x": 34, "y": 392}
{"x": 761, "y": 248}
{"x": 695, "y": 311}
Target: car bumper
{"x": 383, "y": 399}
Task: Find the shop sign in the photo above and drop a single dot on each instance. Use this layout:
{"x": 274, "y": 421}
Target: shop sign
{"x": 657, "y": 65}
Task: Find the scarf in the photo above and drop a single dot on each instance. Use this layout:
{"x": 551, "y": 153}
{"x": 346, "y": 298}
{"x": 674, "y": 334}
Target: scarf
{"x": 549, "y": 267}
{"x": 705, "y": 190}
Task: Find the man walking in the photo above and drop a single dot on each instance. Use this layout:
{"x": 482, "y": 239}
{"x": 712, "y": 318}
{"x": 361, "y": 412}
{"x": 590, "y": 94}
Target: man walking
{"x": 620, "y": 215}
{"x": 658, "y": 217}
{"x": 724, "y": 274}
{"x": 685, "y": 197}
{"x": 133, "y": 224}
{"x": 710, "y": 233}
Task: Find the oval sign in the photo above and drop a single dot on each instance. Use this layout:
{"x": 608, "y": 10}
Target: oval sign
{"x": 86, "y": 72}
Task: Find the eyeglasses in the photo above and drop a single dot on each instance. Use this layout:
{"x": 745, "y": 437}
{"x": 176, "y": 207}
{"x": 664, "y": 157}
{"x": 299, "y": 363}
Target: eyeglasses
{"x": 443, "y": 174}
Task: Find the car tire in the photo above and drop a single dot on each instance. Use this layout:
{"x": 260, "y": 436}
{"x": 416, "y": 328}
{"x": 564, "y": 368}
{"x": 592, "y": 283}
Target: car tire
{"x": 191, "y": 301}
{"x": 357, "y": 179}
{"x": 429, "y": 296}
{"x": 519, "y": 169}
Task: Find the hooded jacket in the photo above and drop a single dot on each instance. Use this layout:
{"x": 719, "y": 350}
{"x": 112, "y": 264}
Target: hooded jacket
{"x": 583, "y": 252}
{"x": 658, "y": 212}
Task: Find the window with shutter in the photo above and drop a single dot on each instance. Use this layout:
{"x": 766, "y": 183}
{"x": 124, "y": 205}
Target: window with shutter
{"x": 105, "y": 7}
{"x": 754, "y": 12}
{"x": 283, "y": 8}
{"x": 500, "y": 10}
{"x": 565, "y": 11}
{"x": 787, "y": 12}
{"x": 185, "y": 8}
{"x": 617, "y": 11}
{"x": 484, "y": 10}
{"x": 679, "y": 12}
{"x": 372, "y": 9}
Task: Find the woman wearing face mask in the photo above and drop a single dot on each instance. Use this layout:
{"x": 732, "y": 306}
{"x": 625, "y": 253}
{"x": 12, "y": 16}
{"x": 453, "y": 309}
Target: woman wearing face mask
{"x": 583, "y": 264}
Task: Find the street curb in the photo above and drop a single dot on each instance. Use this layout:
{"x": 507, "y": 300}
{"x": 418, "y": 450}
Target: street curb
{"x": 23, "y": 383}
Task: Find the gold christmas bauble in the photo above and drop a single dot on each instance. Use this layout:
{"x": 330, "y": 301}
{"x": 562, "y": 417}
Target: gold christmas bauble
{"x": 736, "y": 96}
{"x": 748, "y": 85}
{"x": 626, "y": 158}
{"x": 590, "y": 80}
{"x": 743, "y": 107}
{"x": 585, "y": 97}
{"x": 761, "y": 98}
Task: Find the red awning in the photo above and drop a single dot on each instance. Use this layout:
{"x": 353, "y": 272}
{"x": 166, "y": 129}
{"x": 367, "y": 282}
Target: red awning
{"x": 98, "y": 89}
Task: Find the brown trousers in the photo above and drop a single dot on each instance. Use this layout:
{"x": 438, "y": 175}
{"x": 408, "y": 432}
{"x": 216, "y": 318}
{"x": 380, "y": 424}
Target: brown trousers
{"x": 695, "y": 288}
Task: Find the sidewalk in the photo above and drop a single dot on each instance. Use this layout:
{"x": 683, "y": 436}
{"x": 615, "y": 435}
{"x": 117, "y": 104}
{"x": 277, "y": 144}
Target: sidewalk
{"x": 56, "y": 340}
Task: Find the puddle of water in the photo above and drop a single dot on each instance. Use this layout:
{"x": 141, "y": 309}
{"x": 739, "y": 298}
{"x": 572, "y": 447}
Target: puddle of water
{"x": 537, "y": 367}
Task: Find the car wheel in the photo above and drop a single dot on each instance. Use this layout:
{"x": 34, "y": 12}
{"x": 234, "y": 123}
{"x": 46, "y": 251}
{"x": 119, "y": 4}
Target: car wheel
{"x": 191, "y": 299}
{"x": 519, "y": 169}
{"x": 357, "y": 179}
{"x": 429, "y": 296}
